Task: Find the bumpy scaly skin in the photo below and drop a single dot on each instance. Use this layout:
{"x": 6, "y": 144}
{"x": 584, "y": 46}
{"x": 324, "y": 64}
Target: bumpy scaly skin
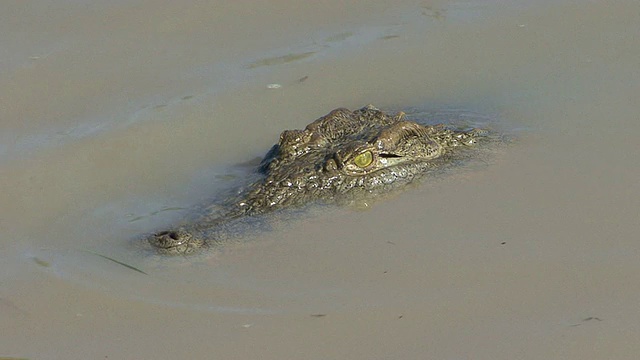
{"x": 342, "y": 155}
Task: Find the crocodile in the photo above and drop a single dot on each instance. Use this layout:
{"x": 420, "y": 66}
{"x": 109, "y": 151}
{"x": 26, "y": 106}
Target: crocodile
{"x": 342, "y": 155}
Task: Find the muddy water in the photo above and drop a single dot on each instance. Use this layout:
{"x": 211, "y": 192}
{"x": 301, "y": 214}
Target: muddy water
{"x": 116, "y": 118}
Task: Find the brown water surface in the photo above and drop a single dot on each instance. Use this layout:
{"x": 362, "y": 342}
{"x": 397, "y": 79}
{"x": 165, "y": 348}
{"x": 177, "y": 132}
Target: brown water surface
{"x": 117, "y": 117}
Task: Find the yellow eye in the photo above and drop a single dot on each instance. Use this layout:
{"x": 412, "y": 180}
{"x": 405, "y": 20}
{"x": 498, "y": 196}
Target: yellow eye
{"x": 363, "y": 160}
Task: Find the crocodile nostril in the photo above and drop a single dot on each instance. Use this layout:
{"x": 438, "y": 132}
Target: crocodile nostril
{"x": 171, "y": 234}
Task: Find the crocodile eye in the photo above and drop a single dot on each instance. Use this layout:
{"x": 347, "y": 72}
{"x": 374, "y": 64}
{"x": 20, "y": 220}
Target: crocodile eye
{"x": 364, "y": 159}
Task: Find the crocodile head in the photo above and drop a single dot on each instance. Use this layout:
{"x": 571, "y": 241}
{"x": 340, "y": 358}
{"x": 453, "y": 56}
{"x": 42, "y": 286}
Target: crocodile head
{"x": 338, "y": 157}
{"x": 345, "y": 152}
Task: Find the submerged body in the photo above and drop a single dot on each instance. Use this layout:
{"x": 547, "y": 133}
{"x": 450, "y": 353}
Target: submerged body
{"x": 342, "y": 155}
